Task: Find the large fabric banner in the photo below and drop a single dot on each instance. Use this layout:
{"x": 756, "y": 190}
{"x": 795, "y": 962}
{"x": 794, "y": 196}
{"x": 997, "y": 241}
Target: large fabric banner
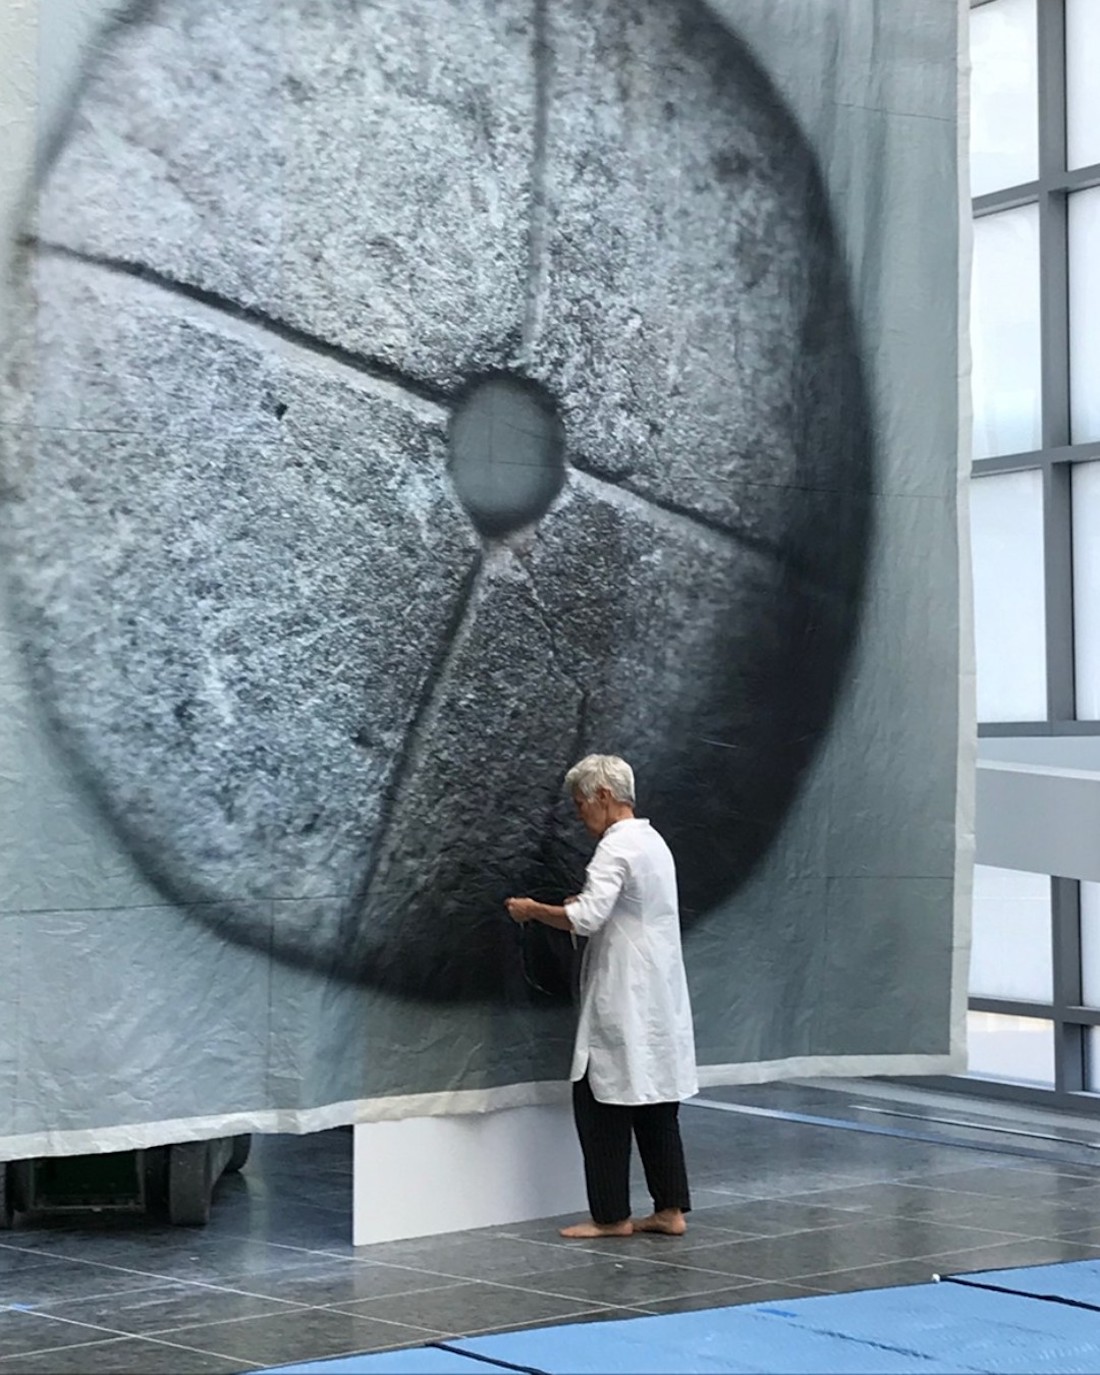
{"x": 400, "y": 401}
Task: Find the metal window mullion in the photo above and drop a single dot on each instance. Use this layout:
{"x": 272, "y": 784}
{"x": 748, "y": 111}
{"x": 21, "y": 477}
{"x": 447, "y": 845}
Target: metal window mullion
{"x": 1054, "y": 318}
{"x": 1009, "y": 198}
{"x": 1059, "y": 729}
{"x": 1043, "y": 1012}
{"x": 1007, "y": 463}
{"x": 1010, "y": 1007}
{"x": 1080, "y": 178}
{"x": 1054, "y": 346}
{"x": 1058, "y": 593}
{"x": 1069, "y": 1035}
{"x": 1053, "y": 233}
{"x": 1028, "y": 192}
{"x": 1050, "y": 36}
{"x": 1035, "y": 458}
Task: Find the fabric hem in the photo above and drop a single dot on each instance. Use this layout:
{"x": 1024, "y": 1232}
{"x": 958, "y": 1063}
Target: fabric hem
{"x": 363, "y": 1111}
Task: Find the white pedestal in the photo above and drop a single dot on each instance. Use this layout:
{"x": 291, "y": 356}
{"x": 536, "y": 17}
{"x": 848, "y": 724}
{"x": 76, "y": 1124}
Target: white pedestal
{"x": 427, "y": 1175}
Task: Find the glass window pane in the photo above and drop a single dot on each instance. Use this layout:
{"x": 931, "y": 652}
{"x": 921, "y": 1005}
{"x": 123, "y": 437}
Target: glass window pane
{"x": 1004, "y": 95}
{"x": 1082, "y": 86}
{"x": 1006, "y": 532}
{"x": 1004, "y": 332}
{"x": 1010, "y": 952}
{"x": 1086, "y": 588}
{"x": 1090, "y": 943}
{"x": 1084, "y": 313}
{"x": 1017, "y": 1049}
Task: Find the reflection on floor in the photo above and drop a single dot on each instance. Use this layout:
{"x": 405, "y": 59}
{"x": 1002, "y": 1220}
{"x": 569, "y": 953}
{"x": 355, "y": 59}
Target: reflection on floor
{"x": 784, "y": 1207}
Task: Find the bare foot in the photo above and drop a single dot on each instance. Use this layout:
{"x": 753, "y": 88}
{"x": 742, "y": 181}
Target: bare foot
{"x": 588, "y": 1231}
{"x": 670, "y": 1223}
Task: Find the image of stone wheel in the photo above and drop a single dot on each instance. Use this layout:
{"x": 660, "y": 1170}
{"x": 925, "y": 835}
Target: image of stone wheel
{"x": 406, "y": 400}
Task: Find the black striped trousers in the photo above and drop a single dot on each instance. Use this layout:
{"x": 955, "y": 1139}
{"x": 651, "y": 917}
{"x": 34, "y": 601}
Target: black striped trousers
{"x": 605, "y": 1130}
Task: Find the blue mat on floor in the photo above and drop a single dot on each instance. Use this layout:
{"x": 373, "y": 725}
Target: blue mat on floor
{"x": 1076, "y": 1281}
{"x": 932, "y": 1328}
{"x": 728, "y": 1341}
{"x": 958, "y": 1327}
{"x": 415, "y": 1360}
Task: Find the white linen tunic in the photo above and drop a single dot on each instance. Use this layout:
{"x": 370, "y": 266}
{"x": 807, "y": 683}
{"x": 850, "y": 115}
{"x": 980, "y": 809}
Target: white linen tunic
{"x": 634, "y": 1034}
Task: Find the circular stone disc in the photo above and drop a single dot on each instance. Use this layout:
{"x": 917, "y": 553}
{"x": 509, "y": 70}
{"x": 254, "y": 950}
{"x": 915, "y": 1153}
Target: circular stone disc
{"x": 327, "y": 709}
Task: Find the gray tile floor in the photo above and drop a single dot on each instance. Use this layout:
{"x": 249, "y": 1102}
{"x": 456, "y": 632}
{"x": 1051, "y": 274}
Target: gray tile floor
{"x": 783, "y": 1209}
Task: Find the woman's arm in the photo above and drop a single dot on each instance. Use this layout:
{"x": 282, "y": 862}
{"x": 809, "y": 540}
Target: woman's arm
{"x": 583, "y": 915}
{"x": 527, "y": 909}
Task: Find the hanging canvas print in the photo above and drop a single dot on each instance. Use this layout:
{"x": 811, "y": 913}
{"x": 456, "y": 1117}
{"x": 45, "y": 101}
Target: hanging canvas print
{"x": 401, "y": 401}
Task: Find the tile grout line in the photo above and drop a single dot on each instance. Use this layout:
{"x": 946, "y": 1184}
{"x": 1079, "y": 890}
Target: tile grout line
{"x": 41, "y": 1311}
{"x": 111, "y": 1334}
{"x": 536, "y": 1323}
{"x": 705, "y": 1270}
{"x": 290, "y": 1304}
{"x": 694, "y": 1294}
{"x": 311, "y": 1252}
{"x": 163, "y": 1281}
{"x": 855, "y": 1220}
{"x": 453, "y": 1335}
{"x": 962, "y": 1252}
{"x": 306, "y": 1308}
{"x": 876, "y": 1263}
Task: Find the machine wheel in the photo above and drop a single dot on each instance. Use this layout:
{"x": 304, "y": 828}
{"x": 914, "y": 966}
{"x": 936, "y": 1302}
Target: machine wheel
{"x": 7, "y": 1200}
{"x": 190, "y": 1184}
{"x": 156, "y": 1179}
{"x": 242, "y": 1146}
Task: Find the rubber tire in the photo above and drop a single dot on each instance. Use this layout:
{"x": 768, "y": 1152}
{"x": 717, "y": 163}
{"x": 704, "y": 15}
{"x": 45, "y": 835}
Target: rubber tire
{"x": 190, "y": 1184}
{"x": 7, "y": 1200}
{"x": 238, "y": 1156}
{"x": 156, "y": 1180}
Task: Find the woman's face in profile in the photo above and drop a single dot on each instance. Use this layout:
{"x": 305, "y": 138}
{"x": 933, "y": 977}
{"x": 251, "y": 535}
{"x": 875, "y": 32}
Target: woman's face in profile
{"x": 592, "y": 811}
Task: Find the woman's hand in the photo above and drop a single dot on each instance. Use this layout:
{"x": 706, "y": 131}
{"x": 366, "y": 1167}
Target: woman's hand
{"x": 521, "y": 909}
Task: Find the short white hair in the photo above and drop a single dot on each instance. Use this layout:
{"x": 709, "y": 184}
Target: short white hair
{"x": 597, "y": 771}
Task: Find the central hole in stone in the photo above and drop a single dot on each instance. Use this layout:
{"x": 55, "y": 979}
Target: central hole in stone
{"x": 507, "y": 454}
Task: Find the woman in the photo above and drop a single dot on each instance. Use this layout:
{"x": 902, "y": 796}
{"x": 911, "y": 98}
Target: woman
{"x": 634, "y": 1058}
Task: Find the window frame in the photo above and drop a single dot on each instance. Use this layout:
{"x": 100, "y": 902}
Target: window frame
{"x": 1055, "y": 461}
